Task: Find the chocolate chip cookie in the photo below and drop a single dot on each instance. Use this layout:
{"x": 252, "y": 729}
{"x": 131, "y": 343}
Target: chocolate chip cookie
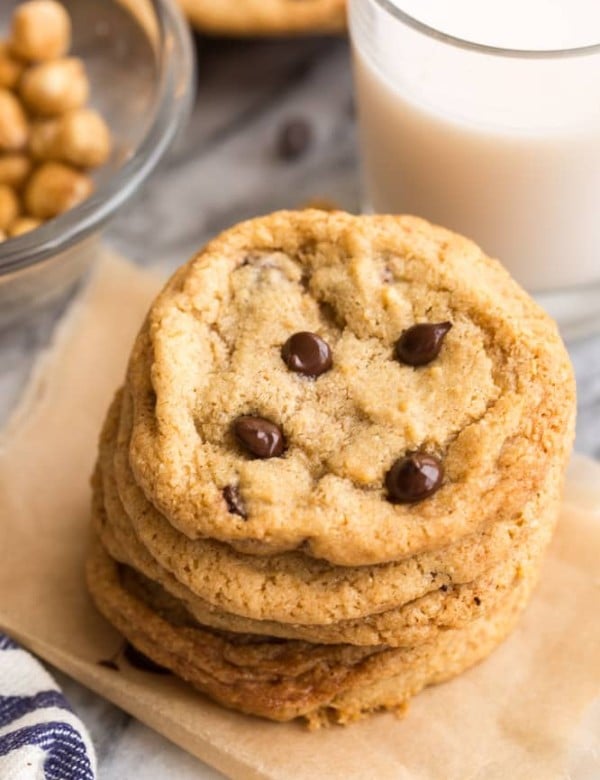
{"x": 404, "y": 444}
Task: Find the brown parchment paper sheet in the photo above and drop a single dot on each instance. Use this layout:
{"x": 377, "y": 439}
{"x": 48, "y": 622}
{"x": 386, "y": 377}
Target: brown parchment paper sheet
{"x": 530, "y": 711}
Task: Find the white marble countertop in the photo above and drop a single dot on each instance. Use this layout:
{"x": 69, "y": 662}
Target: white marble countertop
{"x": 223, "y": 169}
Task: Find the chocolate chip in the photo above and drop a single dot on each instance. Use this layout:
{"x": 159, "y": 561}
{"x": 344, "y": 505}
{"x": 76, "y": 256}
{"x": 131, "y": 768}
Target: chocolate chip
{"x": 477, "y": 600}
{"x": 413, "y": 478}
{"x": 306, "y": 353}
{"x": 387, "y": 275}
{"x": 295, "y": 137}
{"x": 259, "y": 437}
{"x": 421, "y": 344}
{"x": 140, "y": 661}
{"x": 234, "y": 502}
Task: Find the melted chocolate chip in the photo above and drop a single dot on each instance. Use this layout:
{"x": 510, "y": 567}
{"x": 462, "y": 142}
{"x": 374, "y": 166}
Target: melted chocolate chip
{"x": 140, "y": 661}
{"x": 306, "y": 353}
{"x": 294, "y": 139}
{"x": 234, "y": 502}
{"x": 413, "y": 478}
{"x": 259, "y": 437}
{"x": 422, "y": 343}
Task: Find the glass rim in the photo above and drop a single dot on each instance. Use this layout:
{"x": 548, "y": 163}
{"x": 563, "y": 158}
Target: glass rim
{"x": 483, "y": 48}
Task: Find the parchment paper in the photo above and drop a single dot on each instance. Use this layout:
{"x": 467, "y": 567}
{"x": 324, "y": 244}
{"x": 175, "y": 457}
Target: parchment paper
{"x": 530, "y": 711}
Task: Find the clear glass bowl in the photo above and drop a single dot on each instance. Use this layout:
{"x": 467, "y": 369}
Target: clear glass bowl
{"x": 140, "y": 61}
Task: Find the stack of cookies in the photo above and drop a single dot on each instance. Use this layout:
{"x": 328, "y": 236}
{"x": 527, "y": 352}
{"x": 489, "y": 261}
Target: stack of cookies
{"x": 334, "y": 467}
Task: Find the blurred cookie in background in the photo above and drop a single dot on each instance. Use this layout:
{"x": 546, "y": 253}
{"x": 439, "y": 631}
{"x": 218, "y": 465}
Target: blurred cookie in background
{"x": 266, "y": 17}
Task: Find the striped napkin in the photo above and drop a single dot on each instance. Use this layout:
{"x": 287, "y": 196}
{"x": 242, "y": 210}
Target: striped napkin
{"x": 40, "y": 736}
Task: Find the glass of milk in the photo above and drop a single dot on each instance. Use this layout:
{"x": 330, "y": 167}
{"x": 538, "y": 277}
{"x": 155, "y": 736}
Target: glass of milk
{"x": 485, "y": 117}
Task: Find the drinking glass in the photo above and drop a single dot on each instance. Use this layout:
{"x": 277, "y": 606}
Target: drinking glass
{"x": 502, "y": 145}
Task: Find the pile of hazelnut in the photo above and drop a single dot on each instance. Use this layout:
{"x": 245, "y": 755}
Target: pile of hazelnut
{"x": 48, "y": 137}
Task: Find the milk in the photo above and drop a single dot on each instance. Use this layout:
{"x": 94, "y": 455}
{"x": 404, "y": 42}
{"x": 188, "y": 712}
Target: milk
{"x": 503, "y": 149}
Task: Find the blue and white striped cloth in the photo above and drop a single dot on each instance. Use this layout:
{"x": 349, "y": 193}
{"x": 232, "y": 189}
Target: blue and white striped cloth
{"x": 40, "y": 736}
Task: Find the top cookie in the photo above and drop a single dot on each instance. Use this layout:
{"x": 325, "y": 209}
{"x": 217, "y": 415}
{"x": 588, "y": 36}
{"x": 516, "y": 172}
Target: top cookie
{"x": 266, "y": 17}
{"x": 482, "y": 404}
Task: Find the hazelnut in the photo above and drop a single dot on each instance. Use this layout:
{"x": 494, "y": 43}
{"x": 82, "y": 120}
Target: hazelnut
{"x": 23, "y": 225}
{"x": 41, "y": 30}
{"x": 44, "y": 121}
{"x": 83, "y": 139}
{"x": 10, "y": 68}
{"x": 42, "y": 139}
{"x": 13, "y": 123}
{"x": 9, "y": 206}
{"x": 14, "y": 169}
{"x": 52, "y": 88}
{"x": 79, "y": 137}
{"x": 55, "y": 188}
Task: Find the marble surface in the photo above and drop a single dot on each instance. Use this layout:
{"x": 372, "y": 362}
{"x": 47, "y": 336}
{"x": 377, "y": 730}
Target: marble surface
{"x": 224, "y": 168}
